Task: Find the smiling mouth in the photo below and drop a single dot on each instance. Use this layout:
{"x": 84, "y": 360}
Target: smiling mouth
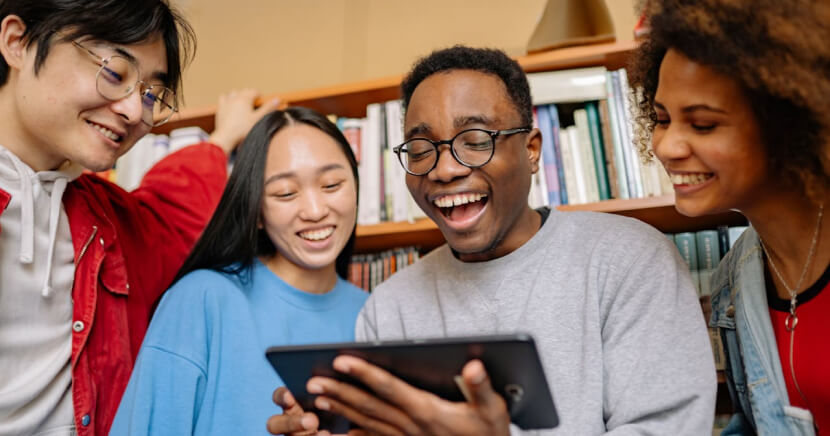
{"x": 106, "y": 132}
{"x": 317, "y": 234}
{"x": 690, "y": 179}
{"x": 459, "y": 207}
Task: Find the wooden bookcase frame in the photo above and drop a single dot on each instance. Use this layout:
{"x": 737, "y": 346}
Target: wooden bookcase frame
{"x": 350, "y": 100}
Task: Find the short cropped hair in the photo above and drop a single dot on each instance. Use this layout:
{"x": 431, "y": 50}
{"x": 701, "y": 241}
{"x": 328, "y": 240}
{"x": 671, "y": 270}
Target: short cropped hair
{"x": 489, "y": 61}
{"x": 115, "y": 21}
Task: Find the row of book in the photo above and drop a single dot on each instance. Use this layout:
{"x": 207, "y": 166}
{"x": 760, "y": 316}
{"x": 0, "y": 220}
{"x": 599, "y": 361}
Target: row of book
{"x": 383, "y": 192}
{"x": 702, "y": 251}
{"x": 369, "y": 270}
{"x": 587, "y": 151}
{"x": 588, "y": 155}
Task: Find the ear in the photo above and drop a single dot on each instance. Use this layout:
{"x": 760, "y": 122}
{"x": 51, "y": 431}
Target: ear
{"x": 534, "y": 149}
{"x": 12, "y": 45}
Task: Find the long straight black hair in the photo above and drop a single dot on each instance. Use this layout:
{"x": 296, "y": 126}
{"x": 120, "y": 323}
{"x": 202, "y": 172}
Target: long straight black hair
{"x": 232, "y": 240}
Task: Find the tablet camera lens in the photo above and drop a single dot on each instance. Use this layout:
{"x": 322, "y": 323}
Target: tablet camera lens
{"x": 514, "y": 392}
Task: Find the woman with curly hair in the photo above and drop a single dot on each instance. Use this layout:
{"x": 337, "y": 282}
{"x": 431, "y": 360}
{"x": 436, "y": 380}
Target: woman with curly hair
{"x": 734, "y": 100}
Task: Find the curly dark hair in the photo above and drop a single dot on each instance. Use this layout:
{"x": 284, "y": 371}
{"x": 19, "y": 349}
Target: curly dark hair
{"x": 485, "y": 60}
{"x": 777, "y": 51}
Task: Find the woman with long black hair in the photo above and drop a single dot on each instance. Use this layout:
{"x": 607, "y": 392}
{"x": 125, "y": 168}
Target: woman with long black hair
{"x": 268, "y": 270}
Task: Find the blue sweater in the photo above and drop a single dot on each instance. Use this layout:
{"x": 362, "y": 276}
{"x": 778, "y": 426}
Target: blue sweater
{"x": 202, "y": 367}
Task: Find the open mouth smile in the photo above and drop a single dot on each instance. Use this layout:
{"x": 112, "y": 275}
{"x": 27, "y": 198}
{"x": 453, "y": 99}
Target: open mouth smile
{"x": 316, "y": 234}
{"x": 461, "y": 207}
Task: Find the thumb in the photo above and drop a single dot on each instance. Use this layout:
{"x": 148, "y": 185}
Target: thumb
{"x": 478, "y": 385}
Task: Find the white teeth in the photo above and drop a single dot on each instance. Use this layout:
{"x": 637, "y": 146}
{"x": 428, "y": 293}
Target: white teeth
{"x": 457, "y": 199}
{"x": 317, "y": 235}
{"x": 106, "y": 132}
{"x": 689, "y": 179}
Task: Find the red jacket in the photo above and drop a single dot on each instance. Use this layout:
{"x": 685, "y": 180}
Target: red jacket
{"x": 128, "y": 248}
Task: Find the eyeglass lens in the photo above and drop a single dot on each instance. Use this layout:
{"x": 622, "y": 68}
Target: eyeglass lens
{"x": 472, "y": 148}
{"x": 117, "y": 78}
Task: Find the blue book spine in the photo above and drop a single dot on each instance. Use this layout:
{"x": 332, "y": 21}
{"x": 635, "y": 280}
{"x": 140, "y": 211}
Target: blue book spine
{"x": 557, "y": 149}
{"x": 548, "y": 156}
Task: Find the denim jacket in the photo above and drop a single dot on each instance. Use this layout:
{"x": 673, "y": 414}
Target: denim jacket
{"x": 753, "y": 368}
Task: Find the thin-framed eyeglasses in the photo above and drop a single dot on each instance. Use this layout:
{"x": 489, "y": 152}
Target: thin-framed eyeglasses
{"x": 472, "y": 148}
{"x": 118, "y": 77}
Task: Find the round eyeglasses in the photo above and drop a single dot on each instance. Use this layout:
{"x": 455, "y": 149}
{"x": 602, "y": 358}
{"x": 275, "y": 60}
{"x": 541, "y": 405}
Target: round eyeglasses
{"x": 118, "y": 77}
{"x": 472, "y": 148}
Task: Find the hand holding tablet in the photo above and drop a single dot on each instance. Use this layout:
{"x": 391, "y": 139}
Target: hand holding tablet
{"x": 434, "y": 365}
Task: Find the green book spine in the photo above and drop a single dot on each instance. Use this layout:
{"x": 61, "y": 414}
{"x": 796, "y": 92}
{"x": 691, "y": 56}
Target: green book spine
{"x": 688, "y": 250}
{"x": 708, "y": 257}
{"x": 599, "y": 150}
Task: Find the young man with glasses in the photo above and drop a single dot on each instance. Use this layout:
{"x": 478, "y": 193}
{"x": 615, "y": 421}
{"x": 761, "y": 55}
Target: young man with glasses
{"x": 82, "y": 261}
{"x": 607, "y": 298}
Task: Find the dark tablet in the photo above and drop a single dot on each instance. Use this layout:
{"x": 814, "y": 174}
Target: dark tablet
{"x": 430, "y": 364}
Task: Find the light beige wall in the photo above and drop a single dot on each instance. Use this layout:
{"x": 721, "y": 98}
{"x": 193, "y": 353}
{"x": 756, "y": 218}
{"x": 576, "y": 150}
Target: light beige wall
{"x": 286, "y": 45}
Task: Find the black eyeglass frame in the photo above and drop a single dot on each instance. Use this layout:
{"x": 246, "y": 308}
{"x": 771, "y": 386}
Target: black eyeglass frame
{"x": 493, "y": 135}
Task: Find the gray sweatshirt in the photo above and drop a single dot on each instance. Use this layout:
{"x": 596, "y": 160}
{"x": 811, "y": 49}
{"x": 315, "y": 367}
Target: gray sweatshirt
{"x": 610, "y": 304}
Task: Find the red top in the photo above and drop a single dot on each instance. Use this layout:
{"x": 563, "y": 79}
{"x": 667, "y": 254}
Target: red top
{"x": 128, "y": 248}
{"x": 811, "y": 351}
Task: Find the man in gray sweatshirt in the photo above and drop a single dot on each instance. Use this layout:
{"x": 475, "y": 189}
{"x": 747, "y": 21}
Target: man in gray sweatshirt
{"x": 607, "y": 298}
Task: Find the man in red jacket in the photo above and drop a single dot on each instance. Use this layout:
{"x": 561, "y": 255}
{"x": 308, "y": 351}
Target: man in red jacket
{"x": 81, "y": 260}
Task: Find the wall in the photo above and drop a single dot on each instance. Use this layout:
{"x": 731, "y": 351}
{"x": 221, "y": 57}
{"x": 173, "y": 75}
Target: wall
{"x": 284, "y": 45}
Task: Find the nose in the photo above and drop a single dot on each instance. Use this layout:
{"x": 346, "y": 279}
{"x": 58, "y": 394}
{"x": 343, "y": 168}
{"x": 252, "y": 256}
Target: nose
{"x": 447, "y": 168}
{"x": 131, "y": 107}
{"x": 313, "y": 206}
{"x": 670, "y": 144}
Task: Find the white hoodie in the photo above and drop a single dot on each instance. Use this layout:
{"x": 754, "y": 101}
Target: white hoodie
{"x": 36, "y": 274}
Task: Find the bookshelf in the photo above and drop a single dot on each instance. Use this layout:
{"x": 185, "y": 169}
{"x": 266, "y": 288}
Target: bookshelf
{"x": 350, "y": 100}
{"x": 657, "y": 211}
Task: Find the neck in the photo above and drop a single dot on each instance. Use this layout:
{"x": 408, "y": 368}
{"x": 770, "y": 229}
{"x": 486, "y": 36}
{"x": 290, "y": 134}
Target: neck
{"x": 14, "y": 135}
{"x": 787, "y": 225}
{"x": 318, "y": 281}
{"x": 526, "y": 225}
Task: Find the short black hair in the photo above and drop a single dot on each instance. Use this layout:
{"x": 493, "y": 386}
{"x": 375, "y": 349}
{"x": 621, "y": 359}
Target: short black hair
{"x": 115, "y": 21}
{"x": 485, "y": 60}
{"x": 232, "y": 240}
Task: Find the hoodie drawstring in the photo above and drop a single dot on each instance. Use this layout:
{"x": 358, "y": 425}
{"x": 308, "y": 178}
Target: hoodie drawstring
{"x": 54, "y": 216}
{"x": 27, "y": 215}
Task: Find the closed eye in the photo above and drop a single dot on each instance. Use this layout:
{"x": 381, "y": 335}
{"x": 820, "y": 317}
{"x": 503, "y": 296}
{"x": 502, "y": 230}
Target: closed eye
{"x": 284, "y": 195}
{"x": 704, "y": 128}
{"x": 333, "y": 186}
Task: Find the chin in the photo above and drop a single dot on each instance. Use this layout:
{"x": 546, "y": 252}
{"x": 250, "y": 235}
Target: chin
{"x": 693, "y": 209}
{"x": 463, "y": 245}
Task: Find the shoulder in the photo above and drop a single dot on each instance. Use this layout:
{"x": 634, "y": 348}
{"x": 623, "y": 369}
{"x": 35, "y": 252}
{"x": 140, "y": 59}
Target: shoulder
{"x": 350, "y": 292}
{"x": 204, "y": 289}
{"x": 413, "y": 275}
{"x": 95, "y": 188}
{"x": 609, "y": 233}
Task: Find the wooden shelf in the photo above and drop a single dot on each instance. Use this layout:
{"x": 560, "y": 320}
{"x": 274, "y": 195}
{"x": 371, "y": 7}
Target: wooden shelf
{"x": 350, "y": 99}
{"x": 660, "y": 213}
{"x": 656, "y": 211}
{"x": 423, "y": 233}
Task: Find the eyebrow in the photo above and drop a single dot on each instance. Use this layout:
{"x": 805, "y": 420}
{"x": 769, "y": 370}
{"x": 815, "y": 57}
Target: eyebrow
{"x": 290, "y": 174}
{"x": 458, "y": 123}
{"x": 693, "y": 108}
{"x": 157, "y": 75}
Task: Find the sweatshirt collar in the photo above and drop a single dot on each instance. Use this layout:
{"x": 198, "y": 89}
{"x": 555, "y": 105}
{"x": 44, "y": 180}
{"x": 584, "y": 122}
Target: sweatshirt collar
{"x": 53, "y": 184}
